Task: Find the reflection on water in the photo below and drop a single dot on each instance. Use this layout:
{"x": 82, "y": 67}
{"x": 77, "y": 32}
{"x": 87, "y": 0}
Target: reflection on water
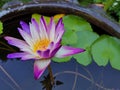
{"x": 18, "y": 75}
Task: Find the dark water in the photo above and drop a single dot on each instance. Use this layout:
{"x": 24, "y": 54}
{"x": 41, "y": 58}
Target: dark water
{"x": 18, "y": 75}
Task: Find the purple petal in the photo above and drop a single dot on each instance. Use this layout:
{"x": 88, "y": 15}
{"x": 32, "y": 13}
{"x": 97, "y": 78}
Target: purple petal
{"x": 16, "y": 55}
{"x": 28, "y": 56}
{"x": 34, "y": 29}
{"x": 68, "y": 51}
{"x": 59, "y": 30}
{"x": 43, "y": 28}
{"x": 51, "y": 28}
{"x": 16, "y": 42}
{"x": 43, "y": 22}
{"x": 44, "y": 54}
{"x": 39, "y": 67}
{"x": 25, "y": 27}
{"x": 55, "y": 50}
{"x": 27, "y": 37}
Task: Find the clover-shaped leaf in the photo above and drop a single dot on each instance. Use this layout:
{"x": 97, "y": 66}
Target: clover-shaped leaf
{"x": 72, "y": 22}
{"x": 106, "y": 49}
{"x": 85, "y": 40}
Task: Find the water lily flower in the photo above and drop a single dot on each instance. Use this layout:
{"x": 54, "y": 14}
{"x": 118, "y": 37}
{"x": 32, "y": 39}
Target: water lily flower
{"x": 41, "y": 42}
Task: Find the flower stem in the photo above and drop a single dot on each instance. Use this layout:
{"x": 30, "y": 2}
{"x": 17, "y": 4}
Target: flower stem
{"x": 51, "y": 75}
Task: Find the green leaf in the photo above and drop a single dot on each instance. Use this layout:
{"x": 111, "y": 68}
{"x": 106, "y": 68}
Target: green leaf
{"x": 100, "y": 51}
{"x": 98, "y": 1}
{"x": 66, "y": 59}
{"x": 75, "y": 23}
{"x": 115, "y": 52}
{"x": 69, "y": 37}
{"x": 1, "y": 27}
{"x": 85, "y": 40}
{"x": 107, "y": 49}
{"x": 83, "y": 58}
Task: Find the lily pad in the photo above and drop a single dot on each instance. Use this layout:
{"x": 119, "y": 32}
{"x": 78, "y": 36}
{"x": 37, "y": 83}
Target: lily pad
{"x": 83, "y": 58}
{"x": 106, "y": 49}
{"x": 72, "y": 22}
{"x": 69, "y": 38}
{"x": 58, "y": 60}
{"x": 1, "y": 27}
{"x": 85, "y": 40}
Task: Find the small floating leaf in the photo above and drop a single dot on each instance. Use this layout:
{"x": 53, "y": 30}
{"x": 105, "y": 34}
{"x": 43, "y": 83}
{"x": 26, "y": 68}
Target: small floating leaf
{"x": 85, "y": 40}
{"x": 106, "y": 49}
{"x": 1, "y": 27}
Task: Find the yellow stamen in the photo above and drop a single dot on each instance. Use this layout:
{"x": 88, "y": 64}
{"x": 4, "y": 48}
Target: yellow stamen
{"x": 41, "y": 45}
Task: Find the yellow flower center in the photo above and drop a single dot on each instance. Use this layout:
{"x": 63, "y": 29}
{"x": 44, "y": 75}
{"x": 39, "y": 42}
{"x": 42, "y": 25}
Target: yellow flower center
{"x": 41, "y": 45}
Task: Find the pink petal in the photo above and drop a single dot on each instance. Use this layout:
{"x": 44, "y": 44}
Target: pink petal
{"x": 68, "y": 51}
{"x": 39, "y": 67}
{"x": 59, "y": 30}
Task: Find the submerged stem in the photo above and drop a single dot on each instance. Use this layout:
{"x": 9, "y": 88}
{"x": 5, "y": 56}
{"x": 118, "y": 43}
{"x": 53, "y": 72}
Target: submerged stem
{"x": 51, "y": 75}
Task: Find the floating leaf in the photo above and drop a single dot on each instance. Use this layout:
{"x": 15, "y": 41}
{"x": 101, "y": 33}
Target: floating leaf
{"x": 72, "y": 22}
{"x": 69, "y": 37}
{"x": 83, "y": 58}
{"x": 1, "y": 27}
{"x": 66, "y": 59}
{"x": 107, "y": 48}
{"x": 85, "y": 40}
{"x": 100, "y": 50}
